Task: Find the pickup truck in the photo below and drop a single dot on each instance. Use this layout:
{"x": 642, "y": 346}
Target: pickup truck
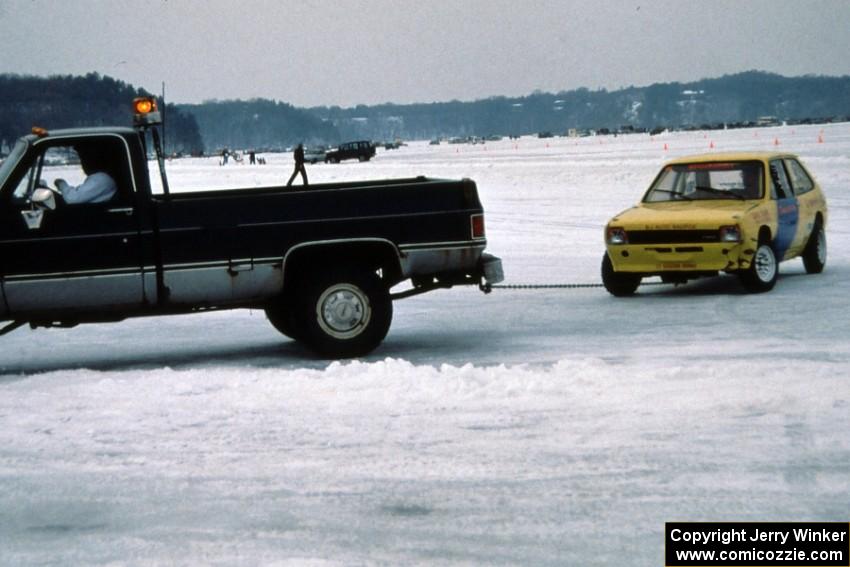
{"x": 320, "y": 260}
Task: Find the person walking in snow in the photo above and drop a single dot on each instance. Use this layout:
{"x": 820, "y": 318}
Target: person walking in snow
{"x": 298, "y": 154}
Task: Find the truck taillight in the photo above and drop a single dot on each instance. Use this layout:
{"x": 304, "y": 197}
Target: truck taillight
{"x": 616, "y": 235}
{"x": 477, "y": 223}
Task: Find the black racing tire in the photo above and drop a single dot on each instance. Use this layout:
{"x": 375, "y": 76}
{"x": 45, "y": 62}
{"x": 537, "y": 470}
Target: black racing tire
{"x": 814, "y": 255}
{"x": 345, "y": 313}
{"x": 619, "y": 284}
{"x": 763, "y": 272}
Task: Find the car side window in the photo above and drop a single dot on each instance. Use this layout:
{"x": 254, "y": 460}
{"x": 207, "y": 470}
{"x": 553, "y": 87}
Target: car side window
{"x": 780, "y": 188}
{"x": 800, "y": 180}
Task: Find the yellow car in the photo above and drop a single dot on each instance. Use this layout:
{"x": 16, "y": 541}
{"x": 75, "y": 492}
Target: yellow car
{"x": 739, "y": 213}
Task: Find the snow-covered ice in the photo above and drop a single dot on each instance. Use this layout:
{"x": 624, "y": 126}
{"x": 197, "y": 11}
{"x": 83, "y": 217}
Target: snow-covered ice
{"x": 527, "y": 427}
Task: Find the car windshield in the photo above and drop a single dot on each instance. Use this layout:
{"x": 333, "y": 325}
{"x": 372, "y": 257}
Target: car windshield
{"x": 7, "y": 164}
{"x": 707, "y": 181}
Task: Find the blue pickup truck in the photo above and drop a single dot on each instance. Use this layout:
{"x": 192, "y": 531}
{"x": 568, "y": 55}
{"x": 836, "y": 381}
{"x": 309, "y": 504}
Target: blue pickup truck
{"x": 320, "y": 260}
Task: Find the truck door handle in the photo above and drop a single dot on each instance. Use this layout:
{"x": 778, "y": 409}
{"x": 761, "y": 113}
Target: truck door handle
{"x": 125, "y": 210}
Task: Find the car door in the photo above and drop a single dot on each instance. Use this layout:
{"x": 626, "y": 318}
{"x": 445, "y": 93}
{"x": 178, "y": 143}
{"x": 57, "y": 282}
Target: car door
{"x": 80, "y": 258}
{"x": 808, "y": 201}
{"x": 787, "y": 210}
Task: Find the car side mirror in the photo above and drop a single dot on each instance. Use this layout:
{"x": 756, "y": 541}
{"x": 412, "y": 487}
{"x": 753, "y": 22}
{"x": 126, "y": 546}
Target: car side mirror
{"x": 44, "y": 199}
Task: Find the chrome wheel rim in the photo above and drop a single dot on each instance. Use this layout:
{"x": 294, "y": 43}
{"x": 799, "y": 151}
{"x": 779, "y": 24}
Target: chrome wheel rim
{"x": 765, "y": 263}
{"x": 343, "y": 311}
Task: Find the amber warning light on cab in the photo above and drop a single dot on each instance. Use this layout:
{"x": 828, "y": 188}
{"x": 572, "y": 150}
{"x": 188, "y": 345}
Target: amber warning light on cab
{"x": 146, "y": 111}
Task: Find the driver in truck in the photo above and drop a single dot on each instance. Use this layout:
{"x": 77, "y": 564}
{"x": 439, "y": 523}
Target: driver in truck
{"x": 99, "y": 185}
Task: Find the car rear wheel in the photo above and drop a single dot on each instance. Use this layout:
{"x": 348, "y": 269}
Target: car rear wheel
{"x": 763, "y": 271}
{"x": 814, "y": 255}
{"x": 620, "y": 284}
{"x": 345, "y": 314}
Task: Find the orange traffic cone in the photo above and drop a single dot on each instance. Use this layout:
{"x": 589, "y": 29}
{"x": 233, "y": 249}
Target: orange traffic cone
{"x": 776, "y": 141}
{"x": 711, "y": 145}
{"x": 820, "y": 139}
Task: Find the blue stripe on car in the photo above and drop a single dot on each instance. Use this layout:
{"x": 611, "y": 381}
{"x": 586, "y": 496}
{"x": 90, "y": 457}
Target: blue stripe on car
{"x": 788, "y": 215}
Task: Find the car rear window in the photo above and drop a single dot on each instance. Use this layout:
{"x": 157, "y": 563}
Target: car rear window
{"x": 800, "y": 180}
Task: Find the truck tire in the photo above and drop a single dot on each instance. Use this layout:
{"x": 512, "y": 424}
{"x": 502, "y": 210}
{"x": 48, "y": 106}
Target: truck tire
{"x": 282, "y": 317}
{"x": 814, "y": 255}
{"x": 619, "y": 284}
{"x": 345, "y": 313}
{"x": 762, "y": 274}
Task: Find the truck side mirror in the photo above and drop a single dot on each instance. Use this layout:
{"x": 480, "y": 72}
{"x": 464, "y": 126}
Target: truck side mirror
{"x": 44, "y": 198}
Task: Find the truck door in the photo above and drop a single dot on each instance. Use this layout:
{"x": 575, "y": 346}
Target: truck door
{"x": 72, "y": 258}
{"x": 787, "y": 209}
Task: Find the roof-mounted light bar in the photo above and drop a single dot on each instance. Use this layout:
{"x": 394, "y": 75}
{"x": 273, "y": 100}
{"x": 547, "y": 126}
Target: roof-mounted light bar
{"x": 145, "y": 111}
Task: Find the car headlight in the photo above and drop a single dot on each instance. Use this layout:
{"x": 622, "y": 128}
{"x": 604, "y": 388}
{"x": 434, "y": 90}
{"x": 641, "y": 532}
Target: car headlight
{"x": 731, "y": 233}
{"x": 616, "y": 235}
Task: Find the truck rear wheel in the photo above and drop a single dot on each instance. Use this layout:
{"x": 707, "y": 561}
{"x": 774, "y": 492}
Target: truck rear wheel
{"x": 344, "y": 314}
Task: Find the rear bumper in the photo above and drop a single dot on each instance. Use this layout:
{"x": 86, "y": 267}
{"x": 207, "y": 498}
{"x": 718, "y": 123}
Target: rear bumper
{"x": 450, "y": 264}
{"x": 490, "y": 268}
{"x": 650, "y": 259}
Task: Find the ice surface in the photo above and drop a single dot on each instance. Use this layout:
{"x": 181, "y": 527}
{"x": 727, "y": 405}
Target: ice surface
{"x": 550, "y": 427}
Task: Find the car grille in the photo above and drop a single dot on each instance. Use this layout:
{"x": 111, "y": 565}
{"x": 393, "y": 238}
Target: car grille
{"x": 673, "y": 236}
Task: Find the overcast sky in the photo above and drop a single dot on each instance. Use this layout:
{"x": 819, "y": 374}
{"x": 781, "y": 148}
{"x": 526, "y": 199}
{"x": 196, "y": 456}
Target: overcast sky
{"x": 348, "y": 52}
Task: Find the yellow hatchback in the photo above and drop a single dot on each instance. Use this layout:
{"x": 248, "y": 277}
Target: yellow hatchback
{"x": 739, "y": 213}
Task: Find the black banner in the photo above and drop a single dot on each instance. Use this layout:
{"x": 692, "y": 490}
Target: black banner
{"x": 757, "y": 544}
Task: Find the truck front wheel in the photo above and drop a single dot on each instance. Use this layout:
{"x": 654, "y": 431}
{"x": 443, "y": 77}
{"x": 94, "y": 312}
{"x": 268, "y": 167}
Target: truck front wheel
{"x": 283, "y": 318}
{"x": 345, "y": 314}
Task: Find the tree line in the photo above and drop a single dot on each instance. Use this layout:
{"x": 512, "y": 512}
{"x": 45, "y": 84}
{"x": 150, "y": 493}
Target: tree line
{"x": 66, "y": 101}
{"x": 260, "y": 124}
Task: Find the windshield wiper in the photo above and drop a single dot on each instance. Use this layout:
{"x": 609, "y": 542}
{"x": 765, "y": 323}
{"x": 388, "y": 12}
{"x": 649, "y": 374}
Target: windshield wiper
{"x": 719, "y": 192}
{"x": 685, "y": 197}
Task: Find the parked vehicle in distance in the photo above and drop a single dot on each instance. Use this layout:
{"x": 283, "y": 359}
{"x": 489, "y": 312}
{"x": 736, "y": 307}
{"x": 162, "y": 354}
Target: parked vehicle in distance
{"x": 740, "y": 213}
{"x": 315, "y": 154}
{"x": 320, "y": 260}
{"x": 362, "y": 150}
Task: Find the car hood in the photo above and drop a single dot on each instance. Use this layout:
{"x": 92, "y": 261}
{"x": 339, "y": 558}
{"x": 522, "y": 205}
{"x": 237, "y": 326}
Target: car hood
{"x": 689, "y": 215}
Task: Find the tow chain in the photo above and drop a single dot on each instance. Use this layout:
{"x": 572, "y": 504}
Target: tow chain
{"x": 560, "y": 286}
{"x": 546, "y": 286}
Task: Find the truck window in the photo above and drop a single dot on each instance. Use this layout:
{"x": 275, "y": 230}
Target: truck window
{"x": 65, "y": 166}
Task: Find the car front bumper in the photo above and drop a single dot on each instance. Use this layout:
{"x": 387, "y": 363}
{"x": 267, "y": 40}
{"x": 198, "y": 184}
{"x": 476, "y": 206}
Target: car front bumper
{"x": 649, "y": 259}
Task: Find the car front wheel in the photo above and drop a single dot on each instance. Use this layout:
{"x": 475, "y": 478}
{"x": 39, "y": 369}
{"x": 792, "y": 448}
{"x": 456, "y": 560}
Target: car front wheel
{"x": 619, "y": 284}
{"x": 763, "y": 271}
